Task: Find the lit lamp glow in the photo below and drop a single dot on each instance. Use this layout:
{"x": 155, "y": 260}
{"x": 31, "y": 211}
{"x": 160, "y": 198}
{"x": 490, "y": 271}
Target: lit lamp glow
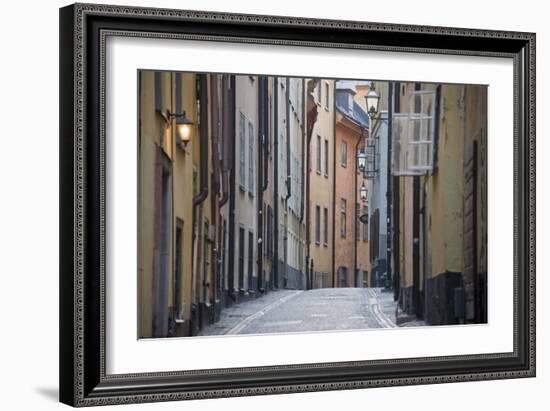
{"x": 361, "y": 161}
{"x": 184, "y": 128}
{"x": 363, "y": 192}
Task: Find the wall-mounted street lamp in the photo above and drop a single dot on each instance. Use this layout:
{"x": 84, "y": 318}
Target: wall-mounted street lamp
{"x": 361, "y": 161}
{"x": 372, "y": 98}
{"x": 363, "y": 192}
{"x": 184, "y": 127}
{"x": 372, "y": 101}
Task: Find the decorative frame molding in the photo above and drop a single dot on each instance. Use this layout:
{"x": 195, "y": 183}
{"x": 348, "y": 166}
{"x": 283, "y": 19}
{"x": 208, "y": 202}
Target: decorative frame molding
{"x": 83, "y": 32}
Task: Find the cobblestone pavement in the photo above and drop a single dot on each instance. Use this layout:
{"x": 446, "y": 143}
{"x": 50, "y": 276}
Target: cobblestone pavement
{"x": 323, "y": 309}
{"x": 236, "y": 314}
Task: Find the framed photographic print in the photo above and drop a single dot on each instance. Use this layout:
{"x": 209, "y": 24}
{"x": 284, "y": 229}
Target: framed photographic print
{"x": 262, "y": 204}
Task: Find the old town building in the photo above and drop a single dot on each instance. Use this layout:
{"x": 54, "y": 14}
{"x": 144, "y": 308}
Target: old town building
{"x": 439, "y": 194}
{"x": 320, "y": 180}
{"x": 351, "y": 132}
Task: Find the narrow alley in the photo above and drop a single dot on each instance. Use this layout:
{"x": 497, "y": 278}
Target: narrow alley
{"x": 311, "y": 310}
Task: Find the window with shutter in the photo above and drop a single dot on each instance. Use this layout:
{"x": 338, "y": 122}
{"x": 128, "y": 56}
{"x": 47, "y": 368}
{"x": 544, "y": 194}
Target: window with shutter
{"x": 326, "y": 158}
{"x": 413, "y": 135}
{"x": 318, "y": 163}
{"x": 344, "y": 159}
{"x": 325, "y": 226}
{"x": 251, "y": 159}
{"x": 343, "y": 212}
{"x": 242, "y": 125}
{"x": 317, "y": 224}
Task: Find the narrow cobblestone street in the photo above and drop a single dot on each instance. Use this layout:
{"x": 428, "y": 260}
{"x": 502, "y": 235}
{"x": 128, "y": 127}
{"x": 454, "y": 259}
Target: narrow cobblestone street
{"x": 312, "y": 310}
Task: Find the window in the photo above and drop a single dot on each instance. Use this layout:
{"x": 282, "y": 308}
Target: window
{"x": 344, "y": 159}
{"x": 317, "y": 224}
{"x": 325, "y": 226}
{"x": 327, "y": 95}
{"x": 318, "y": 164}
{"x": 421, "y": 120}
{"x": 413, "y": 135}
{"x": 326, "y": 158}
{"x": 251, "y": 159}
{"x": 343, "y": 210}
{"x": 366, "y": 224}
{"x": 319, "y": 91}
{"x": 242, "y": 125}
{"x": 357, "y": 222}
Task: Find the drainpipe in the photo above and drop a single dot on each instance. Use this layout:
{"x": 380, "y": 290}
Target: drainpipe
{"x": 203, "y": 130}
{"x": 309, "y": 124}
{"x": 262, "y": 174}
{"x": 308, "y": 196}
{"x": 232, "y": 188}
{"x": 287, "y": 113}
{"x": 303, "y": 152}
{"x": 303, "y": 158}
{"x": 276, "y": 181}
{"x": 215, "y": 216}
{"x": 355, "y": 207}
{"x": 226, "y": 147}
{"x": 334, "y": 188}
{"x": 288, "y": 172}
{"x": 389, "y": 266}
{"x": 203, "y": 193}
{"x": 215, "y": 143}
{"x": 265, "y": 138}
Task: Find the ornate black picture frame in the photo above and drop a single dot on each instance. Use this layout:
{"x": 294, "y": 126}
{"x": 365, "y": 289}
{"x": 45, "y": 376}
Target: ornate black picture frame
{"x": 83, "y": 30}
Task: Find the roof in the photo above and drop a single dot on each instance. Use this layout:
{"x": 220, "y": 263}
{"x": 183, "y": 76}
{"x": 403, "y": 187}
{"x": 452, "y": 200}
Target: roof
{"x": 357, "y": 113}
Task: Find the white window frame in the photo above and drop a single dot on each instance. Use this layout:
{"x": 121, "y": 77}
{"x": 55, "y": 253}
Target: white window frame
{"x": 251, "y": 158}
{"x": 242, "y": 161}
{"x": 414, "y": 139}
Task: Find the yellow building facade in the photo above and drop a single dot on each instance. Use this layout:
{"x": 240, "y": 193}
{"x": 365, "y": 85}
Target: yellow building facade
{"x": 165, "y": 232}
{"x": 321, "y": 185}
{"x": 440, "y": 215}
